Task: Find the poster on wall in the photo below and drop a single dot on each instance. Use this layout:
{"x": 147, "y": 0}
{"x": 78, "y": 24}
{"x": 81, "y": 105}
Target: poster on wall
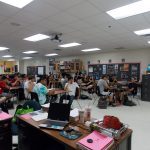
{"x": 126, "y": 67}
{"x": 90, "y": 69}
{"x": 104, "y": 69}
{"x": 40, "y": 70}
{"x": 1, "y": 70}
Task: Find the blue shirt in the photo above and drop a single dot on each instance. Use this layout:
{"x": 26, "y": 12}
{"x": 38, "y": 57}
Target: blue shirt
{"x": 41, "y": 91}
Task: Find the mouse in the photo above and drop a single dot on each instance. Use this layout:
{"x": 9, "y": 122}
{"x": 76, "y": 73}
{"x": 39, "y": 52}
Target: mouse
{"x": 89, "y": 140}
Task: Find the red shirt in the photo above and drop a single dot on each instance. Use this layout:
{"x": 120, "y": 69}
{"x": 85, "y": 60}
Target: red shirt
{"x": 3, "y": 86}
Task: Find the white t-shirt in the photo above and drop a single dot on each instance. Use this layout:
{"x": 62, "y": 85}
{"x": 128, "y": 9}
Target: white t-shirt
{"x": 26, "y": 88}
{"x": 72, "y": 88}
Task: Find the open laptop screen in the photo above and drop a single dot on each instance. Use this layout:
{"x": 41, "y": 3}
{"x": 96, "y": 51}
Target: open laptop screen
{"x": 59, "y": 112}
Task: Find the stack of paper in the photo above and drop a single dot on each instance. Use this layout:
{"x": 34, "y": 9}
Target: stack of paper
{"x": 39, "y": 117}
{"x": 4, "y": 116}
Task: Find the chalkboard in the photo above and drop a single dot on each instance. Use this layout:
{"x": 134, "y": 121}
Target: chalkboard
{"x": 36, "y": 70}
{"x": 31, "y": 70}
{"x": 123, "y": 71}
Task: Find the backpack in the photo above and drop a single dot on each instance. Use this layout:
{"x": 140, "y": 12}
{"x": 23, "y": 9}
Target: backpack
{"x": 102, "y": 102}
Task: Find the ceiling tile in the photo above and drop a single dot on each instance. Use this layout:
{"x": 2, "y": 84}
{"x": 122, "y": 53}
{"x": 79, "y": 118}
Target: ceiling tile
{"x": 41, "y": 9}
{"x": 64, "y": 4}
{"x": 7, "y": 10}
{"x": 83, "y": 9}
{"x": 63, "y": 18}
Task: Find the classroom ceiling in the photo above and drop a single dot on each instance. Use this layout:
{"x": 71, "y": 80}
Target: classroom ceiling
{"x": 83, "y": 21}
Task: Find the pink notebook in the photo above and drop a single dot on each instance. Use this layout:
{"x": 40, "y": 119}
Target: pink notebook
{"x": 100, "y": 141}
{"x": 4, "y": 116}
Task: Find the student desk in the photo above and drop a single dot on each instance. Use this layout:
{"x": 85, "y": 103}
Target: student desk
{"x": 31, "y": 137}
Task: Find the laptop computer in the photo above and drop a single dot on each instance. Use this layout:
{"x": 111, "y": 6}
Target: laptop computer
{"x": 58, "y": 116}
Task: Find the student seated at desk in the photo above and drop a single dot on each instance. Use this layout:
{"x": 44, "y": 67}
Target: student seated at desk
{"x": 28, "y": 86}
{"x": 4, "y": 85}
{"x": 102, "y": 84}
{"x": 113, "y": 80}
{"x": 70, "y": 88}
{"x": 133, "y": 87}
{"x": 42, "y": 91}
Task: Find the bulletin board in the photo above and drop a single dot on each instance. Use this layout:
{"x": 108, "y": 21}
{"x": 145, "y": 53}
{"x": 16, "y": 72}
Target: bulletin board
{"x": 123, "y": 71}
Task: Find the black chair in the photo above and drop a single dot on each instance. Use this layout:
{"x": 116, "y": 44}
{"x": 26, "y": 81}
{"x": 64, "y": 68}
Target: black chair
{"x": 34, "y": 96}
{"x": 97, "y": 91}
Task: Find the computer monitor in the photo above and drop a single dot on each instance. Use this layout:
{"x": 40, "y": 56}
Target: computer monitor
{"x": 59, "y": 112}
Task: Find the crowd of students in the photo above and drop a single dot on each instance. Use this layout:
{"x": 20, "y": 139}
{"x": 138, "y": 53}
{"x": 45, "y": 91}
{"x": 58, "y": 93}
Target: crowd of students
{"x": 41, "y": 84}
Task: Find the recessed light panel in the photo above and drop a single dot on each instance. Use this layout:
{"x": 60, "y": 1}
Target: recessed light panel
{"x": 17, "y": 3}
{"x": 26, "y": 57}
{"x": 30, "y": 52}
{"x": 69, "y": 45}
{"x": 130, "y": 10}
{"x": 7, "y": 56}
{"x": 11, "y": 60}
{"x": 3, "y": 48}
{"x": 52, "y": 54}
{"x": 37, "y": 37}
{"x": 91, "y": 50}
{"x": 142, "y": 32}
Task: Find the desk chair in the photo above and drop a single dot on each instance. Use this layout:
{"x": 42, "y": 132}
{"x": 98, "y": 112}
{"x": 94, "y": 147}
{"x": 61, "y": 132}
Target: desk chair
{"x": 97, "y": 91}
{"x": 34, "y": 96}
{"x": 76, "y": 95}
{"x": 28, "y": 104}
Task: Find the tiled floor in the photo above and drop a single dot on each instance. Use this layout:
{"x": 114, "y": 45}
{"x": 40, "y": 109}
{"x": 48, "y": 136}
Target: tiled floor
{"x": 137, "y": 117}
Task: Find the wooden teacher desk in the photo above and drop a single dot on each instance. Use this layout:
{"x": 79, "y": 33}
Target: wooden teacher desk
{"x": 31, "y": 137}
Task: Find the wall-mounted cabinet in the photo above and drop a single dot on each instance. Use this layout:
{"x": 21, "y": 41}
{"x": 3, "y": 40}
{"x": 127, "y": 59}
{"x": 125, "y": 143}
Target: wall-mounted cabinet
{"x": 68, "y": 66}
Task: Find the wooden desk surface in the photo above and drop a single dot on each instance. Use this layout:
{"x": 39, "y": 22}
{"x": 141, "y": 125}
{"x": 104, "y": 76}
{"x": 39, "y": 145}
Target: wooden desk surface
{"x": 55, "y": 134}
{"x": 72, "y": 143}
{"x": 14, "y": 88}
{"x": 57, "y": 91}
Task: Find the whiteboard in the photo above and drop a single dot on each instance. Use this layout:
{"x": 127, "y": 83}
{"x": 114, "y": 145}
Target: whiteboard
{"x": 40, "y": 71}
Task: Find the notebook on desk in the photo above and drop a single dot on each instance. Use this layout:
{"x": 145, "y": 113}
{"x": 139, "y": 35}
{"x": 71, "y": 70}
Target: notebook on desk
{"x": 98, "y": 141}
{"x": 58, "y": 116}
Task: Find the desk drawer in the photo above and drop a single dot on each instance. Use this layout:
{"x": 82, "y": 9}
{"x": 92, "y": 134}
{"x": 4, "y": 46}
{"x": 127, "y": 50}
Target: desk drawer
{"x": 5, "y": 126}
{"x": 6, "y": 141}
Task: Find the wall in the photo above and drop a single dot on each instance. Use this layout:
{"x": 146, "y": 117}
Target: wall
{"x": 142, "y": 56}
{"x": 33, "y": 62}
{"x": 7, "y": 64}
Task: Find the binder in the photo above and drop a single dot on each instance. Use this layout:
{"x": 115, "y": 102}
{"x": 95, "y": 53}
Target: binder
{"x": 99, "y": 142}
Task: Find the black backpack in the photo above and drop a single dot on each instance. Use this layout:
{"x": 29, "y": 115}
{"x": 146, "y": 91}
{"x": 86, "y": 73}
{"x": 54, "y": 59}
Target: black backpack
{"x": 102, "y": 102}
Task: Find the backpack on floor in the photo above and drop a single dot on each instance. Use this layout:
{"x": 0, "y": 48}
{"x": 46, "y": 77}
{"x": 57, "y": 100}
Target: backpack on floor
{"x": 102, "y": 102}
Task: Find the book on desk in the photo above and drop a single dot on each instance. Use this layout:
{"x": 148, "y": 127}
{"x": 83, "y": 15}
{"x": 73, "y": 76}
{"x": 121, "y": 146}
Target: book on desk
{"x": 95, "y": 141}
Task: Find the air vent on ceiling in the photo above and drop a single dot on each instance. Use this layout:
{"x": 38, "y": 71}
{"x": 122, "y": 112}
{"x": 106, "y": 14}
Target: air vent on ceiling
{"x": 57, "y": 49}
{"x": 15, "y": 24}
{"x": 119, "y": 48}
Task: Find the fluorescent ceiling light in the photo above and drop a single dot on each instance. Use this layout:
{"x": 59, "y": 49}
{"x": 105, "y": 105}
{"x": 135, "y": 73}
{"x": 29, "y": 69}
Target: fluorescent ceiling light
{"x": 52, "y": 54}
{"x": 7, "y": 56}
{"x": 30, "y": 52}
{"x": 37, "y": 37}
{"x": 3, "y": 48}
{"x": 70, "y": 45}
{"x": 130, "y": 10}
{"x": 26, "y": 57}
{"x": 142, "y": 32}
{"x": 91, "y": 50}
{"x": 17, "y": 3}
{"x": 11, "y": 60}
